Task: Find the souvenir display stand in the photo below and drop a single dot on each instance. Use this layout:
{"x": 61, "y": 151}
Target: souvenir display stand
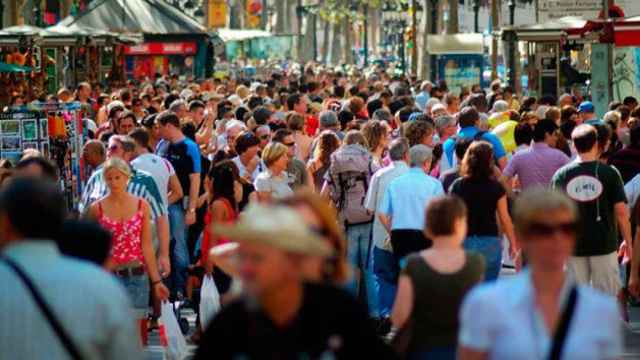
{"x": 56, "y": 130}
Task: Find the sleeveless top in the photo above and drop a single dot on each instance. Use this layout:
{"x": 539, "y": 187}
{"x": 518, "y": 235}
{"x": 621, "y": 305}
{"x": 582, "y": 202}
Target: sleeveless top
{"x": 437, "y": 300}
{"x": 126, "y": 236}
{"x": 206, "y": 237}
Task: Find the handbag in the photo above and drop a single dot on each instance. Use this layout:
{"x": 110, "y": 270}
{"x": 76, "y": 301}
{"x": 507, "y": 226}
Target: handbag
{"x": 176, "y": 345}
{"x": 209, "y": 301}
{"x": 560, "y": 336}
{"x": 46, "y": 310}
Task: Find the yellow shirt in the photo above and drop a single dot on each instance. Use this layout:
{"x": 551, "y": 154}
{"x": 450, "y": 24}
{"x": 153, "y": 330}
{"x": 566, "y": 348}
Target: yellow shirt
{"x": 504, "y": 132}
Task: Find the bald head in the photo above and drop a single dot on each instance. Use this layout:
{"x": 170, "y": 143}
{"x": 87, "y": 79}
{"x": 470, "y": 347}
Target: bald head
{"x": 94, "y": 153}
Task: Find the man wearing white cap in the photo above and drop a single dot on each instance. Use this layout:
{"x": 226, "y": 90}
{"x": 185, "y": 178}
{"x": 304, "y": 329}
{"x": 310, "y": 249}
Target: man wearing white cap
{"x": 280, "y": 317}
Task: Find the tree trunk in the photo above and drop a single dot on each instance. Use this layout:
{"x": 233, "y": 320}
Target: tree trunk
{"x": 348, "y": 40}
{"x": 495, "y": 24}
{"x": 281, "y": 14}
{"x": 10, "y": 13}
{"x": 453, "y": 27}
{"x": 309, "y": 36}
{"x": 426, "y": 28}
{"x": 288, "y": 23}
{"x": 334, "y": 58}
{"x": 236, "y": 15}
{"x": 374, "y": 30}
{"x": 326, "y": 37}
{"x": 65, "y": 8}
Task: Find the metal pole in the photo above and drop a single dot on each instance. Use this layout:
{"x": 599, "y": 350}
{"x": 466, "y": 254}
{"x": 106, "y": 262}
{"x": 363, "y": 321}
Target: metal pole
{"x": 365, "y": 8}
{"x": 315, "y": 37}
{"x": 299, "y": 18}
{"x": 606, "y": 5}
{"x": 476, "y": 15}
{"x": 434, "y": 30}
{"x": 402, "y": 46}
{"x": 414, "y": 38}
{"x": 512, "y": 45}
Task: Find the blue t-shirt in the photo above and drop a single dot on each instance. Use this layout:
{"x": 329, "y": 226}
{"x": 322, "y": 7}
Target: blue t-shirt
{"x": 185, "y": 158}
{"x": 470, "y": 132}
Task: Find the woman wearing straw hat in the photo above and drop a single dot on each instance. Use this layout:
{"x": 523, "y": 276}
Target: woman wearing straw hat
{"x": 280, "y": 316}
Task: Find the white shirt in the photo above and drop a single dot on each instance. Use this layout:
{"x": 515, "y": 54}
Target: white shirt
{"x": 502, "y": 320}
{"x": 277, "y": 186}
{"x": 242, "y": 170}
{"x": 90, "y": 304}
{"x": 160, "y": 170}
{"x": 379, "y": 183}
{"x": 632, "y": 190}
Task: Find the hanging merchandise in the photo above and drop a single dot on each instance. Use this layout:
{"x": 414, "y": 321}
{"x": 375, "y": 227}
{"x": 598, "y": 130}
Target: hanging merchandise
{"x": 56, "y": 131}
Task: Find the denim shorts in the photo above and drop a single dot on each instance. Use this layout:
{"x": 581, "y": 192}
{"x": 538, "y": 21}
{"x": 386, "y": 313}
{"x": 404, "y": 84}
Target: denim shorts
{"x": 137, "y": 287}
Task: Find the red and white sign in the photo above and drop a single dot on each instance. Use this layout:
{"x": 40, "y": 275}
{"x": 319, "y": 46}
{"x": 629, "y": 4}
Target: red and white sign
{"x": 157, "y": 48}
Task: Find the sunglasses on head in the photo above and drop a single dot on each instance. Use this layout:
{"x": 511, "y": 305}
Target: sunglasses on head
{"x": 542, "y": 229}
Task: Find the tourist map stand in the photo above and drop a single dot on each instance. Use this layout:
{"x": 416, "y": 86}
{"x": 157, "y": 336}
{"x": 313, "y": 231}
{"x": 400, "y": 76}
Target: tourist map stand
{"x": 56, "y": 130}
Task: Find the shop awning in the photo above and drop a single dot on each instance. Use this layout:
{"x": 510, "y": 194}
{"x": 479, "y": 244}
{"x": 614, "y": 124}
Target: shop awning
{"x": 552, "y": 30}
{"x": 135, "y": 17}
{"x": 241, "y": 35}
{"x": 12, "y": 68}
{"x": 463, "y": 44}
{"x": 621, "y": 32}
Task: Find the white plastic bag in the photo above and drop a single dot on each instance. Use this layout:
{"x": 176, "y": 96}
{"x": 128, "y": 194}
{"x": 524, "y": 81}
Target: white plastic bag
{"x": 209, "y": 301}
{"x": 176, "y": 343}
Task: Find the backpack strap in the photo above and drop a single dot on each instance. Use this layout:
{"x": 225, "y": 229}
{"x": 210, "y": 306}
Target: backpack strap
{"x": 478, "y": 136}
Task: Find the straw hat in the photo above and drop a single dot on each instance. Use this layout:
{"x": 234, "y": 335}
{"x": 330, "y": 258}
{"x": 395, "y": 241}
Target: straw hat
{"x": 277, "y": 226}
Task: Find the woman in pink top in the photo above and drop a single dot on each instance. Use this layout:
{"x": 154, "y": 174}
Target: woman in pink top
{"x": 128, "y": 219}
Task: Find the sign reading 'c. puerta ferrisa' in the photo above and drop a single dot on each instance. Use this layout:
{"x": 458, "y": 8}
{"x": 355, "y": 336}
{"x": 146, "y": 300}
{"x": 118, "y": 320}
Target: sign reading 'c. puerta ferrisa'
{"x": 586, "y": 9}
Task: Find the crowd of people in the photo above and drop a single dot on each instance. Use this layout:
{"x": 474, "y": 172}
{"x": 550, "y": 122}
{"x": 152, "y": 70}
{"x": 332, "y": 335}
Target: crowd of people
{"x": 340, "y": 215}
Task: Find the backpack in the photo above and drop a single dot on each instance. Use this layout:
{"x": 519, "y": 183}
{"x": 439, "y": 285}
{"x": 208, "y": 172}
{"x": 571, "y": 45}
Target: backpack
{"x": 349, "y": 176}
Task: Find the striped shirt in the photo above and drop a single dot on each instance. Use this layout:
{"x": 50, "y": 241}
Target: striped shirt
{"x": 141, "y": 185}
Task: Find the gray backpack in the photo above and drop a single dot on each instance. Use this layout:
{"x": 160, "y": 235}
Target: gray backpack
{"x": 349, "y": 176}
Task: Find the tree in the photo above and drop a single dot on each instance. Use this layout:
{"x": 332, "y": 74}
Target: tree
{"x": 452, "y": 26}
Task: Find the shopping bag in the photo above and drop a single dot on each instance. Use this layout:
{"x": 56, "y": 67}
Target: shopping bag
{"x": 176, "y": 348}
{"x": 209, "y": 301}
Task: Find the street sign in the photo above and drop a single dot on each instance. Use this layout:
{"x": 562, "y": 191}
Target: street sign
{"x": 586, "y": 9}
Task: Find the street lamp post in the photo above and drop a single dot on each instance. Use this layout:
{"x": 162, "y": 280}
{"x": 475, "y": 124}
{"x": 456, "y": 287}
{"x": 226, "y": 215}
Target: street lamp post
{"x": 512, "y": 45}
{"x": 476, "y": 14}
{"x": 365, "y": 10}
{"x": 434, "y": 30}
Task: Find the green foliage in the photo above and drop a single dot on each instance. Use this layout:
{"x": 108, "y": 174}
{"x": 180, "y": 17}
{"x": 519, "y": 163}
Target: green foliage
{"x": 336, "y": 10}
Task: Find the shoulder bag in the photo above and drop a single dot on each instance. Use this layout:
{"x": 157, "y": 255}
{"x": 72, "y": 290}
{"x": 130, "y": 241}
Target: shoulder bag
{"x": 46, "y": 310}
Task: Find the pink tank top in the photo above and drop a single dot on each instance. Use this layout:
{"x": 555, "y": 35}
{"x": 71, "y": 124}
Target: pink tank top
{"x": 126, "y": 237}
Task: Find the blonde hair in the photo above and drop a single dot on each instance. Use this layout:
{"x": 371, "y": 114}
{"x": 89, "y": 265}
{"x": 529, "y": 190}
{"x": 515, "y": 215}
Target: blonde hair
{"x": 242, "y": 91}
{"x": 273, "y": 152}
{"x": 116, "y": 163}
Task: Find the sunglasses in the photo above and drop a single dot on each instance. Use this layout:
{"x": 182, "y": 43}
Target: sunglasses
{"x": 264, "y": 137}
{"x": 541, "y": 229}
{"x": 290, "y": 144}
